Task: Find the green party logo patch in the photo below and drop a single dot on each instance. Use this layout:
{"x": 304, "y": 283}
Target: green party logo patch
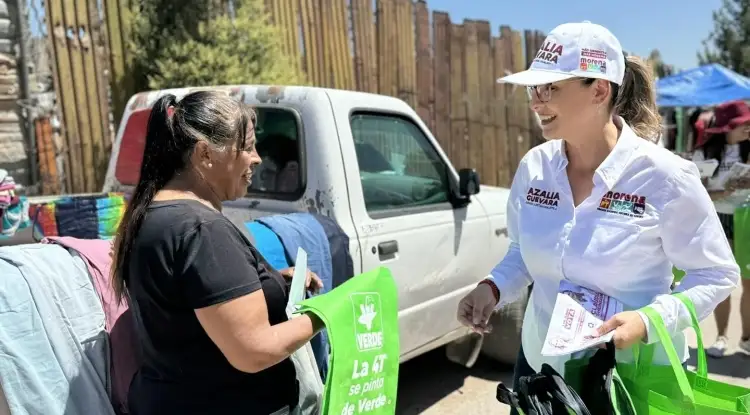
{"x": 368, "y": 327}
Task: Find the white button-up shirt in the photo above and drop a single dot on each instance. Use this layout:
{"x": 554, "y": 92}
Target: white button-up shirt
{"x": 648, "y": 210}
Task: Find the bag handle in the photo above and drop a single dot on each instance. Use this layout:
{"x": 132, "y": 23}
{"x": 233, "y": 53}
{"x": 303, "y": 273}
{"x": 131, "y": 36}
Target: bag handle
{"x": 644, "y": 355}
{"x": 507, "y": 396}
{"x": 702, "y": 367}
{"x": 622, "y": 401}
{"x": 661, "y": 332}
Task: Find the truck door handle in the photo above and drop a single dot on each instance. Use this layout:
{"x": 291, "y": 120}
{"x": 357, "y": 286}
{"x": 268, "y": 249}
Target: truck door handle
{"x": 387, "y": 248}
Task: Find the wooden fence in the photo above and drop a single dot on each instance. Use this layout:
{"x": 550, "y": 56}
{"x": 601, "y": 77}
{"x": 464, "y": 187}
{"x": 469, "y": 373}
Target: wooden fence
{"x": 446, "y": 71}
{"x": 80, "y": 56}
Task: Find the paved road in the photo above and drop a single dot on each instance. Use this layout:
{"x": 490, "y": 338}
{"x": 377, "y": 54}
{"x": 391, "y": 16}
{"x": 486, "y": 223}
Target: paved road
{"x": 431, "y": 385}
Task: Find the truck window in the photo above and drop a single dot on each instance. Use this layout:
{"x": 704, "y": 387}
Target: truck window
{"x": 399, "y": 167}
{"x": 278, "y": 143}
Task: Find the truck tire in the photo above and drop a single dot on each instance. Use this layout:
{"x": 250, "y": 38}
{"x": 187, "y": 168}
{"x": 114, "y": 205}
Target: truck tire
{"x": 503, "y": 342}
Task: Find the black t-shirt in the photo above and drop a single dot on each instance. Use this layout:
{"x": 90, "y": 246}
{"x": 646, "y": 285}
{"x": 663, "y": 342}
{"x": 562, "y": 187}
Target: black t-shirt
{"x": 187, "y": 256}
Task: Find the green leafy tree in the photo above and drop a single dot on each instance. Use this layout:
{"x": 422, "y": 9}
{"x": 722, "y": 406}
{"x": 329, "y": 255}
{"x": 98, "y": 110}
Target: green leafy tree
{"x": 200, "y": 42}
{"x": 729, "y": 43}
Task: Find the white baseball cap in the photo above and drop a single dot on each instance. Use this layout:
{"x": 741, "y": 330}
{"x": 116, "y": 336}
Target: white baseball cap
{"x": 571, "y": 50}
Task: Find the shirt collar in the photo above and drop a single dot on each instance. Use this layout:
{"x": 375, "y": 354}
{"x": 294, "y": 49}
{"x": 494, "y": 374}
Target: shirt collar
{"x": 614, "y": 165}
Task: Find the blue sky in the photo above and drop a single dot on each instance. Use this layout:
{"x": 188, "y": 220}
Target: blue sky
{"x": 675, "y": 27}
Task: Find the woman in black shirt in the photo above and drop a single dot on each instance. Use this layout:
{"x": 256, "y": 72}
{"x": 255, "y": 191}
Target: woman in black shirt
{"x": 209, "y": 311}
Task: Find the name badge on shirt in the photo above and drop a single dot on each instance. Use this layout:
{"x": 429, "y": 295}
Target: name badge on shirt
{"x": 542, "y": 198}
{"x": 626, "y": 204}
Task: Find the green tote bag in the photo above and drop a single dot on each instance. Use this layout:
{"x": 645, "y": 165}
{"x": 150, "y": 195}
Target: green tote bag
{"x": 361, "y": 317}
{"x": 672, "y": 390}
{"x": 742, "y": 238}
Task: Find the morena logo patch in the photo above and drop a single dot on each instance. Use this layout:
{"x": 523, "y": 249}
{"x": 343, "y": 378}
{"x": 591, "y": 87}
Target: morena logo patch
{"x": 626, "y": 204}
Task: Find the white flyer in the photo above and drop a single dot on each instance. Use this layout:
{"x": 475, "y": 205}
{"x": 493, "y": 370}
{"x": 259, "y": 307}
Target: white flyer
{"x": 297, "y": 290}
{"x": 707, "y": 168}
{"x": 577, "y": 314}
{"x": 736, "y": 172}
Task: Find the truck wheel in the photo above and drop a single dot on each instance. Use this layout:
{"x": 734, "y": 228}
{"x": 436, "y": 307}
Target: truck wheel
{"x": 503, "y": 342}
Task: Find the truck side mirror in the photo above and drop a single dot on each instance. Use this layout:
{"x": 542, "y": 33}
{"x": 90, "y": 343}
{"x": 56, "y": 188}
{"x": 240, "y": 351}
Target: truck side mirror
{"x": 468, "y": 182}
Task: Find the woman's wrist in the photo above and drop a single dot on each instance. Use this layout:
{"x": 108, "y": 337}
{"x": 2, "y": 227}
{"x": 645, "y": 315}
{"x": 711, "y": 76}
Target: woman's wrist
{"x": 493, "y": 287}
{"x": 317, "y": 323}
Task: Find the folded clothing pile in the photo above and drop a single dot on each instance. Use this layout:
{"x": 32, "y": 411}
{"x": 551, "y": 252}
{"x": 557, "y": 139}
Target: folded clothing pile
{"x": 14, "y": 209}
{"x": 77, "y": 217}
{"x": 7, "y": 189}
{"x": 44, "y": 220}
{"x": 88, "y": 217}
{"x": 109, "y": 211}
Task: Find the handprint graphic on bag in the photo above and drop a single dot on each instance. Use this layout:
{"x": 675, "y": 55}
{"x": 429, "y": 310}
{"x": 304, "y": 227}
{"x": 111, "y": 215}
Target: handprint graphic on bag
{"x": 368, "y": 313}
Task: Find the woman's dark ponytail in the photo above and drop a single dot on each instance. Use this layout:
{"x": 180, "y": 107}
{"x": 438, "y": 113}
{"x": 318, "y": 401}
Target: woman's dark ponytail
{"x": 160, "y": 155}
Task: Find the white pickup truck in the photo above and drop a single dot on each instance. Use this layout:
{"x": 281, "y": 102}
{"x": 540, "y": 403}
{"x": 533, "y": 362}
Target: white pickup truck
{"x": 369, "y": 162}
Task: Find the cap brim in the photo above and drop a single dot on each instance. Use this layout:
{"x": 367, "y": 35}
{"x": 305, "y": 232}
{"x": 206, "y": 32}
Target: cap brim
{"x": 734, "y": 123}
{"x": 741, "y": 120}
{"x": 534, "y": 77}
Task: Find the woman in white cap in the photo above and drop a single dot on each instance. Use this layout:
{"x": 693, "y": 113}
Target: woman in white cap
{"x": 600, "y": 205}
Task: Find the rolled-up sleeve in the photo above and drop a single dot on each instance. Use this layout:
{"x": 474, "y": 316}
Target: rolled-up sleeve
{"x": 694, "y": 241}
{"x": 510, "y": 275}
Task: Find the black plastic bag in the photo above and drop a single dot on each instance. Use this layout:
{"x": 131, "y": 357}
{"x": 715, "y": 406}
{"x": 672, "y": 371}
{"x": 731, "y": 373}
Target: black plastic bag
{"x": 543, "y": 393}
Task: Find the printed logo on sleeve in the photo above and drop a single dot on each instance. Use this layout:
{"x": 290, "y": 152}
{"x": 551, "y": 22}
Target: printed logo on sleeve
{"x": 549, "y": 53}
{"x": 542, "y": 198}
{"x": 368, "y": 329}
{"x": 593, "y": 60}
{"x": 623, "y": 204}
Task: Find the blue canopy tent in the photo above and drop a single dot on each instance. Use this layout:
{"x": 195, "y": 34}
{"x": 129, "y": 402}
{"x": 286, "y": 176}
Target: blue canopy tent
{"x": 704, "y": 86}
